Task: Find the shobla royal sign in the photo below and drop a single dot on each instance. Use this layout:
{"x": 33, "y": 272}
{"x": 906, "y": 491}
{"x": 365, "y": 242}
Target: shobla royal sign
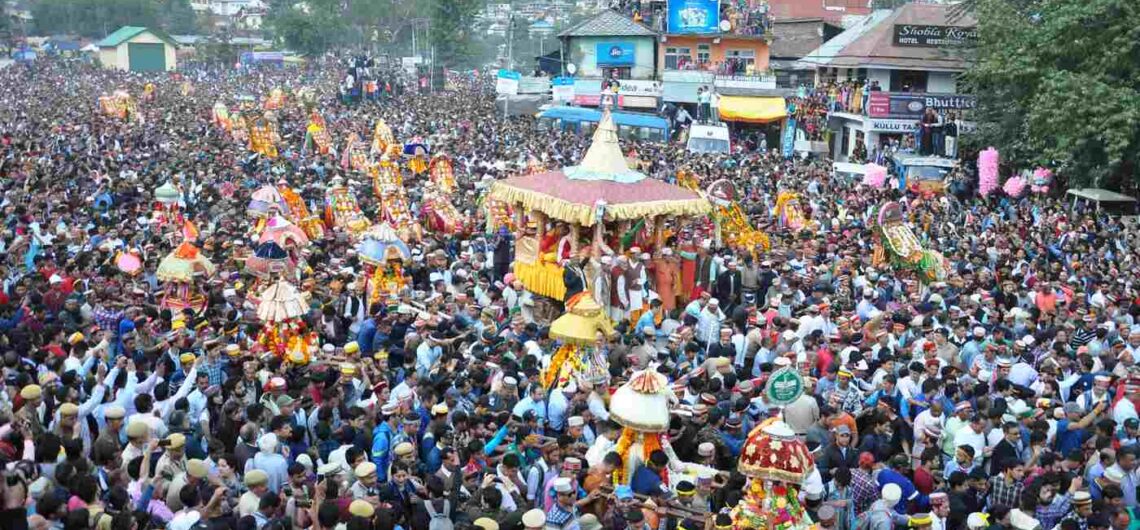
{"x": 923, "y": 36}
{"x": 784, "y": 386}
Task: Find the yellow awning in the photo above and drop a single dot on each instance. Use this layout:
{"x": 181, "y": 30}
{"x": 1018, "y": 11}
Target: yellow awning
{"x": 752, "y": 109}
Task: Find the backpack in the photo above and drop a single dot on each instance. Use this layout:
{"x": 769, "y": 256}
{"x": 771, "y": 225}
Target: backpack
{"x": 439, "y": 520}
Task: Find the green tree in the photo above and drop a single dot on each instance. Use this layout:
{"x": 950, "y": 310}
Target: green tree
{"x": 452, "y": 33}
{"x": 177, "y": 17}
{"x": 312, "y": 27}
{"x": 1059, "y": 85}
{"x": 97, "y": 18}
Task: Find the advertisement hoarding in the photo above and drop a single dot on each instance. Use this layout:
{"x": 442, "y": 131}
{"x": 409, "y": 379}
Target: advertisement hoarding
{"x": 912, "y": 105}
{"x": 615, "y": 53}
{"x": 694, "y": 16}
{"x": 507, "y": 83}
{"x": 923, "y": 36}
{"x": 562, "y": 89}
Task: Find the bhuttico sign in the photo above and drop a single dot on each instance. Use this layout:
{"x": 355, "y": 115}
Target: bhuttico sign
{"x": 934, "y": 36}
{"x": 909, "y": 104}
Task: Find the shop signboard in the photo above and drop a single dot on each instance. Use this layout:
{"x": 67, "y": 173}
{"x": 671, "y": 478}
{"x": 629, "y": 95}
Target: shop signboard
{"x": 594, "y": 100}
{"x": 913, "y": 105}
{"x": 746, "y": 82}
{"x": 534, "y": 85}
{"x": 889, "y": 125}
{"x": 507, "y": 83}
{"x": 563, "y": 89}
{"x": 923, "y": 36}
{"x": 636, "y": 87}
{"x": 637, "y": 102}
{"x": 694, "y": 16}
{"x": 615, "y": 53}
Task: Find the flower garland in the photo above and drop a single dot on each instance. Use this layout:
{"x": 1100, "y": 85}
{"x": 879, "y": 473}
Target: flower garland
{"x": 564, "y": 353}
{"x": 387, "y": 281}
{"x": 650, "y": 442}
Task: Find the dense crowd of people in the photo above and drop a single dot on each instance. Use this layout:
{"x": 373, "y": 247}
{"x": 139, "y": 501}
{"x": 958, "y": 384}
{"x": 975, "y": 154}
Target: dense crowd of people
{"x": 1003, "y": 397}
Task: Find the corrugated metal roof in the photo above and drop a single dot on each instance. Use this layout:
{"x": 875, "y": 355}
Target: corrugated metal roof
{"x": 609, "y": 24}
{"x": 871, "y": 42}
{"x": 793, "y": 39}
{"x": 831, "y": 10}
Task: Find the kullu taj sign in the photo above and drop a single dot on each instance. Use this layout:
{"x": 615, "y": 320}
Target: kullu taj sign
{"x": 923, "y": 36}
{"x": 784, "y": 386}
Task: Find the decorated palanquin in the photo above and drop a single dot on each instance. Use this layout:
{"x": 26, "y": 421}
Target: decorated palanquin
{"x": 440, "y": 215}
{"x": 601, "y": 193}
{"x": 387, "y": 183}
{"x": 281, "y": 311}
{"x": 734, "y": 227}
{"x": 221, "y": 116}
{"x": 355, "y": 155}
{"x": 789, "y": 211}
{"x": 307, "y": 97}
{"x": 119, "y": 105}
{"x": 442, "y": 174}
{"x": 317, "y": 136}
{"x": 641, "y": 407}
{"x": 499, "y": 215}
{"x": 578, "y": 358}
{"x": 385, "y": 172}
{"x": 776, "y": 463}
{"x": 266, "y": 201}
{"x": 167, "y": 206}
{"x": 299, "y": 213}
{"x": 417, "y": 154}
{"x": 263, "y": 137}
{"x": 276, "y": 99}
{"x": 896, "y": 244}
{"x": 183, "y": 273}
{"x": 342, "y": 210}
{"x": 279, "y": 254}
{"x": 382, "y": 138}
{"x": 383, "y": 254}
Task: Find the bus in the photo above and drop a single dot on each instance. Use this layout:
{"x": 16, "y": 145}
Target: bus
{"x": 631, "y": 125}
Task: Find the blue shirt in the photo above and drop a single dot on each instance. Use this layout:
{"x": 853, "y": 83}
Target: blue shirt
{"x": 909, "y": 492}
{"x": 1068, "y": 440}
{"x": 365, "y": 336}
{"x": 426, "y": 357}
{"x": 647, "y": 482}
{"x": 645, "y": 321}
{"x": 382, "y": 450}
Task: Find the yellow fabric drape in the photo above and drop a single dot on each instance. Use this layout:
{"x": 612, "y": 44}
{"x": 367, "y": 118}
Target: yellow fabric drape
{"x": 583, "y": 214}
{"x": 752, "y": 109}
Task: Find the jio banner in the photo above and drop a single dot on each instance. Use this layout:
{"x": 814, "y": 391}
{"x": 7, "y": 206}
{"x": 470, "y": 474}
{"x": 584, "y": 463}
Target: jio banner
{"x": 789, "y": 143}
{"x": 694, "y": 16}
{"x": 507, "y": 83}
{"x": 562, "y": 89}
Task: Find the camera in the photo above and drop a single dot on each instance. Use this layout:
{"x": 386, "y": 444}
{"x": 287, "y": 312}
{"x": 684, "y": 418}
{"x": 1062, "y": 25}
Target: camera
{"x": 304, "y": 503}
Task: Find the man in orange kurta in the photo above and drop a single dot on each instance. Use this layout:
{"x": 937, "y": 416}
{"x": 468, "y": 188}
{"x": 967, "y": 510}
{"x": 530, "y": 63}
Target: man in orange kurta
{"x": 666, "y": 270}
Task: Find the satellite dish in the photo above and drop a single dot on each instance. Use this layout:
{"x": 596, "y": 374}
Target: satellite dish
{"x": 571, "y": 68}
{"x": 725, "y": 26}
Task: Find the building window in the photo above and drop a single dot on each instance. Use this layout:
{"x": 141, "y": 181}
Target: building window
{"x": 704, "y": 54}
{"x": 738, "y": 62}
{"x": 909, "y": 80}
{"x": 678, "y": 58}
